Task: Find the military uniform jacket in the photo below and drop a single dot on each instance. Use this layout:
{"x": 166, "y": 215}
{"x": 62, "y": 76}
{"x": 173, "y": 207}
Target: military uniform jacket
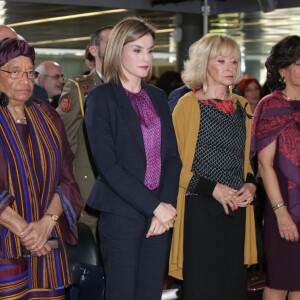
{"x": 71, "y": 109}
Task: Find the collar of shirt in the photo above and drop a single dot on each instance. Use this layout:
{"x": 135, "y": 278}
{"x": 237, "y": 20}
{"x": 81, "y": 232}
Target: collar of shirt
{"x": 100, "y": 75}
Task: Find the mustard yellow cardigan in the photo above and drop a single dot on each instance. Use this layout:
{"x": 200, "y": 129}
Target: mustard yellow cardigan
{"x": 186, "y": 119}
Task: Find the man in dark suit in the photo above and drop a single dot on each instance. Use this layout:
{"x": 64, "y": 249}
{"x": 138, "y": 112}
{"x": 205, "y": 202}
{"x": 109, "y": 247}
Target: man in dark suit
{"x": 39, "y": 93}
{"x": 176, "y": 95}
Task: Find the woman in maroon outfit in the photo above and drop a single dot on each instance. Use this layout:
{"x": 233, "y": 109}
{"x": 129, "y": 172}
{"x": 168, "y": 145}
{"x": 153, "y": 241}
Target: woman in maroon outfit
{"x": 276, "y": 138}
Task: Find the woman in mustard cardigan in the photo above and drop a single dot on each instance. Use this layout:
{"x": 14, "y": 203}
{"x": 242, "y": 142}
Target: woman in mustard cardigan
{"x": 216, "y": 181}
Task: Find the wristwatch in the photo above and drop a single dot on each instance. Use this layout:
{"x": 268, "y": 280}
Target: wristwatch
{"x": 54, "y": 217}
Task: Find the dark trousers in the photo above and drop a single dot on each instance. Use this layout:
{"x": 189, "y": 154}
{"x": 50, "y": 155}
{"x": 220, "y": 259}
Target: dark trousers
{"x": 213, "y": 251}
{"x": 134, "y": 266}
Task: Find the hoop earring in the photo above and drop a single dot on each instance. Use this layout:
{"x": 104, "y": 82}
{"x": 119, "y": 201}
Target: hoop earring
{"x": 281, "y": 79}
{"x": 204, "y": 87}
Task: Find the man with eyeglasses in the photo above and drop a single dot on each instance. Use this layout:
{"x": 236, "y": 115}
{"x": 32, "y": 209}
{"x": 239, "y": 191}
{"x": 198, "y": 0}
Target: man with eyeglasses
{"x": 71, "y": 109}
{"x": 50, "y": 77}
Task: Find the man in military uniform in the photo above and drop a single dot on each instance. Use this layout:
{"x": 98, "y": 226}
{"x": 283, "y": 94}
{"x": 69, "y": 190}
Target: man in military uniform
{"x": 89, "y": 59}
{"x": 71, "y": 109}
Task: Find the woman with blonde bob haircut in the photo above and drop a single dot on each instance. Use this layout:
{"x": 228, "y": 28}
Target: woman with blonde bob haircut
{"x": 212, "y": 127}
{"x": 209, "y": 47}
{"x": 134, "y": 148}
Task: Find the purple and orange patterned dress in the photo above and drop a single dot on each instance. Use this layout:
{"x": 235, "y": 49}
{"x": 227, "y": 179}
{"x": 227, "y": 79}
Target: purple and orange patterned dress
{"x": 36, "y": 162}
{"x": 275, "y": 118}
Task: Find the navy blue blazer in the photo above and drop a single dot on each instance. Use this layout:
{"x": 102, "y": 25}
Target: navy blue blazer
{"x": 117, "y": 146}
{"x": 175, "y": 95}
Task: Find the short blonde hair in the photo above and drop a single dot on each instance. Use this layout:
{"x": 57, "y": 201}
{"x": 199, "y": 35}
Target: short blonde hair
{"x": 126, "y": 31}
{"x": 208, "y": 47}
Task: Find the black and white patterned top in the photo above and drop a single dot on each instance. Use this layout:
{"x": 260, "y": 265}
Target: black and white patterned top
{"x": 219, "y": 154}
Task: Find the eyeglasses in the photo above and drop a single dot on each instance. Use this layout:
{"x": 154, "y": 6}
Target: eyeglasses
{"x": 56, "y": 77}
{"x": 20, "y": 74}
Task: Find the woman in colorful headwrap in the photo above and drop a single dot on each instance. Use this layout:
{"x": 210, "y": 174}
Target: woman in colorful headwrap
{"x": 276, "y": 138}
{"x": 39, "y": 198}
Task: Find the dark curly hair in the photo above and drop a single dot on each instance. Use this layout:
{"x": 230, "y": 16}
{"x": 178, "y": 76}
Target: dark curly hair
{"x": 282, "y": 55}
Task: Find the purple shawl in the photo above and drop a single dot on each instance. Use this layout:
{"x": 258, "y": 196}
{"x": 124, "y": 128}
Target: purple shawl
{"x": 275, "y": 118}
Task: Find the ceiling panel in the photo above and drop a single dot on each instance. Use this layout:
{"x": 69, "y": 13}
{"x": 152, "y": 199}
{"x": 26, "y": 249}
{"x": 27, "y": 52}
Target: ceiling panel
{"x": 186, "y": 6}
{"x": 73, "y": 32}
{"x": 256, "y": 31}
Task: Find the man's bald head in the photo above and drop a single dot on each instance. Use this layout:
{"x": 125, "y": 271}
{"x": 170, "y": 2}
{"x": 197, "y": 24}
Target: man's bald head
{"x": 50, "y": 77}
{"x": 7, "y": 32}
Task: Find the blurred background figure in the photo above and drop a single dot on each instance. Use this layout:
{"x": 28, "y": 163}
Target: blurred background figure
{"x": 52, "y": 79}
{"x": 89, "y": 59}
{"x": 178, "y": 92}
{"x": 153, "y": 80}
{"x": 250, "y": 88}
{"x": 7, "y": 32}
{"x": 169, "y": 81}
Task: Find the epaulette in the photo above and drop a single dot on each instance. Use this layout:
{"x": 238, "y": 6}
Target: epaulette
{"x": 80, "y": 78}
